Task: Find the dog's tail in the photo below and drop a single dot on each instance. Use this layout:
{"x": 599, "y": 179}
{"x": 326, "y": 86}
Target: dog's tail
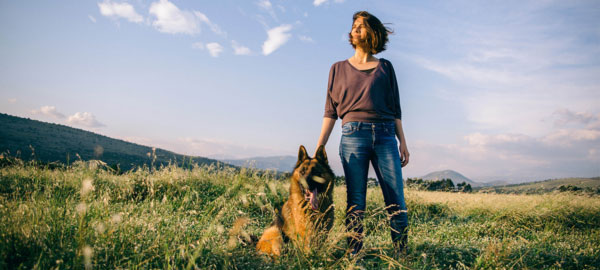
{"x": 271, "y": 241}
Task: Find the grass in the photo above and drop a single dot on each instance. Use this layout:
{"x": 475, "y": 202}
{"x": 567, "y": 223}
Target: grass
{"x": 206, "y": 218}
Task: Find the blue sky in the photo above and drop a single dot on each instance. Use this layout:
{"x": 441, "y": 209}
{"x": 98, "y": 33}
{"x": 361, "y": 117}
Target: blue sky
{"x": 496, "y": 90}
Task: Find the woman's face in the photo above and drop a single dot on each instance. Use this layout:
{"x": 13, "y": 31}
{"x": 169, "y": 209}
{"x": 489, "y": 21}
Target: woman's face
{"x": 359, "y": 31}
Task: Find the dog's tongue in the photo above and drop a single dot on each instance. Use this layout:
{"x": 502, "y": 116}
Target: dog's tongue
{"x": 313, "y": 199}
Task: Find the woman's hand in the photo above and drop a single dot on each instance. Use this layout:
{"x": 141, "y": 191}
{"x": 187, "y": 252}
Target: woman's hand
{"x": 403, "y": 149}
{"x": 404, "y": 154}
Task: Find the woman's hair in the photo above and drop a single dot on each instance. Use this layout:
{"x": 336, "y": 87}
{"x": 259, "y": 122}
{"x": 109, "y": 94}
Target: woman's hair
{"x": 377, "y": 34}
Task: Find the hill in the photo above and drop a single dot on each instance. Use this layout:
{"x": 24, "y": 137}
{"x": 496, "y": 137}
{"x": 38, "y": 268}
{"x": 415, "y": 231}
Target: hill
{"x": 545, "y": 186}
{"x": 278, "y": 163}
{"x": 453, "y": 175}
{"x": 48, "y": 142}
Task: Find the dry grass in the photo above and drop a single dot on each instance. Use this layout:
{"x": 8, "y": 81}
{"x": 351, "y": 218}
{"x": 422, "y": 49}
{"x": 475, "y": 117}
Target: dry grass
{"x": 87, "y": 217}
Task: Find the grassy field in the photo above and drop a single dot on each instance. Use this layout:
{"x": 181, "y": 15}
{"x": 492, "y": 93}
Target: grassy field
{"x": 588, "y": 185}
{"x": 204, "y": 218}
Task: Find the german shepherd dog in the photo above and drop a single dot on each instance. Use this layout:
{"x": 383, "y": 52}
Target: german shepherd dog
{"x": 308, "y": 213}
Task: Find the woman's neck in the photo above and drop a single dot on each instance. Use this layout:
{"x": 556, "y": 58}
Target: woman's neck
{"x": 361, "y": 56}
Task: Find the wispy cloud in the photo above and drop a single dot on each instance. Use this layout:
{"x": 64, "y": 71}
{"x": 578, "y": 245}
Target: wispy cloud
{"x": 198, "y": 45}
{"x": 85, "y": 119}
{"x": 214, "y": 49}
{"x": 219, "y": 148}
{"x": 566, "y": 116}
{"x": 509, "y": 71}
{"x": 119, "y": 10}
{"x": 172, "y": 20}
{"x": 92, "y": 18}
{"x": 205, "y": 147}
{"x": 239, "y": 49}
{"x": 268, "y": 7}
{"x": 317, "y": 3}
{"x": 276, "y": 38}
{"x": 12, "y": 100}
{"x": 49, "y": 111}
{"x": 565, "y": 152}
{"x": 306, "y": 39}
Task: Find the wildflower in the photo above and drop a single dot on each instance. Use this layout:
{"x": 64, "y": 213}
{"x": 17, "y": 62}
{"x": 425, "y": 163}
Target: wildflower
{"x": 116, "y": 218}
{"x": 81, "y": 208}
{"x": 86, "y": 186}
{"x": 273, "y": 187}
{"x": 88, "y": 252}
{"x": 220, "y": 229}
{"x": 100, "y": 228}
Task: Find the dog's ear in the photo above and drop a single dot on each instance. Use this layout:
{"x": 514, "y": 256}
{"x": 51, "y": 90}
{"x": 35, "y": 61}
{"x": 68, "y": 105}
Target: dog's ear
{"x": 302, "y": 155}
{"x": 321, "y": 155}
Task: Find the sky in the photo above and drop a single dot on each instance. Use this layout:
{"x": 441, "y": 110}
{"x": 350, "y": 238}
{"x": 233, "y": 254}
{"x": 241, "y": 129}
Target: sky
{"x": 495, "y": 90}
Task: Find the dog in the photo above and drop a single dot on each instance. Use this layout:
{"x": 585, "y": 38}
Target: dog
{"x": 308, "y": 214}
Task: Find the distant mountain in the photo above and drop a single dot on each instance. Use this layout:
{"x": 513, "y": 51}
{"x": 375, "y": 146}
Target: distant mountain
{"x": 31, "y": 139}
{"x": 495, "y": 183}
{"x": 545, "y": 185}
{"x": 278, "y": 163}
{"x": 453, "y": 175}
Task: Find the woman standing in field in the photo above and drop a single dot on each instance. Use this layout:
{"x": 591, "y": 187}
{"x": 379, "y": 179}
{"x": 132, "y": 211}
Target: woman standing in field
{"x": 363, "y": 92}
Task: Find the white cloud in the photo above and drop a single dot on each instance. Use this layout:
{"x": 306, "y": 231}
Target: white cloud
{"x": 170, "y": 19}
{"x": 268, "y": 7}
{"x": 567, "y": 152}
{"x": 504, "y": 69}
{"x": 85, "y": 119}
{"x": 566, "y": 116}
{"x": 123, "y": 10}
{"x": 214, "y": 49}
{"x": 213, "y": 27}
{"x": 92, "y": 18}
{"x": 239, "y": 49}
{"x": 317, "y": 3}
{"x": 49, "y": 111}
{"x": 276, "y": 38}
{"x": 12, "y": 100}
{"x": 265, "y": 4}
{"x": 306, "y": 39}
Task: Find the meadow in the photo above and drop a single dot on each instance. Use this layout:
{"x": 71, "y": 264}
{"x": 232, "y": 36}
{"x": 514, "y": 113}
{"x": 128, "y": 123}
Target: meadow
{"x": 87, "y": 217}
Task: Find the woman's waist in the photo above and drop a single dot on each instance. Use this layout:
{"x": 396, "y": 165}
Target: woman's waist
{"x": 370, "y": 125}
{"x": 367, "y": 117}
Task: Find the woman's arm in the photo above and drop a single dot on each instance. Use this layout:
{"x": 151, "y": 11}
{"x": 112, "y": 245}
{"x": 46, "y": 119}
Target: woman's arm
{"x": 403, "y": 149}
{"x": 325, "y": 130}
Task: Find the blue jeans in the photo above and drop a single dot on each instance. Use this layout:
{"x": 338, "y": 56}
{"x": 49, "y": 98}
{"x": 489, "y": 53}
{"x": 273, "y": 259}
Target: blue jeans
{"x": 376, "y": 143}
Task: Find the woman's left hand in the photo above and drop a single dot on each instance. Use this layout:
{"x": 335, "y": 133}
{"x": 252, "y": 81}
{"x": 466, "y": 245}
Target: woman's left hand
{"x": 404, "y": 154}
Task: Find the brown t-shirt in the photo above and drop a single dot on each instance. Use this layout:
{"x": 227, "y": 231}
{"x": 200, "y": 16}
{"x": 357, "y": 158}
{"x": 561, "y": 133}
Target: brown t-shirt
{"x": 354, "y": 95}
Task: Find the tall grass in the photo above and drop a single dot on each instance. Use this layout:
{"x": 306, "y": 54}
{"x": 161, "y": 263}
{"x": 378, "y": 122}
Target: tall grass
{"x": 208, "y": 218}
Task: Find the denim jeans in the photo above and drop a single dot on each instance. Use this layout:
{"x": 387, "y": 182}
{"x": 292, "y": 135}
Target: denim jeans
{"x": 376, "y": 143}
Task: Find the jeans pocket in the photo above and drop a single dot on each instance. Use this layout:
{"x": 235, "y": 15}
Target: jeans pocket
{"x": 348, "y": 129}
{"x": 390, "y": 130}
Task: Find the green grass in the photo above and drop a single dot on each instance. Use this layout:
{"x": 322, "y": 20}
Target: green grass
{"x": 84, "y": 217}
{"x": 591, "y": 186}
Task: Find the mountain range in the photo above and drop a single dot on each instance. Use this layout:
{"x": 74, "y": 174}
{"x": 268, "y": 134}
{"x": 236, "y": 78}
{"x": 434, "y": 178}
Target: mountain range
{"x": 47, "y": 142}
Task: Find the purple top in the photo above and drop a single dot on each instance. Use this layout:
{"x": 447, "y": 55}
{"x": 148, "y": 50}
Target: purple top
{"x": 354, "y": 95}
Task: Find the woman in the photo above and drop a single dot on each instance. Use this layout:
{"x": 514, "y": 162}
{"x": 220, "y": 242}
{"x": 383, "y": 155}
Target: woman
{"x": 363, "y": 92}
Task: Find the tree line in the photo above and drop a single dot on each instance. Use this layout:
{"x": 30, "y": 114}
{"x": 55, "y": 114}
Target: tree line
{"x": 445, "y": 184}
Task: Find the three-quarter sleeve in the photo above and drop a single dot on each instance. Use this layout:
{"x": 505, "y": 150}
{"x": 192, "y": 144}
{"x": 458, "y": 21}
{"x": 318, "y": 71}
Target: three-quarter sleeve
{"x": 330, "y": 104}
{"x": 395, "y": 92}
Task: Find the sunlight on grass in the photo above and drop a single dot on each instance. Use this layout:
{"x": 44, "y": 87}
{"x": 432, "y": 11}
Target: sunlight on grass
{"x": 86, "y": 216}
